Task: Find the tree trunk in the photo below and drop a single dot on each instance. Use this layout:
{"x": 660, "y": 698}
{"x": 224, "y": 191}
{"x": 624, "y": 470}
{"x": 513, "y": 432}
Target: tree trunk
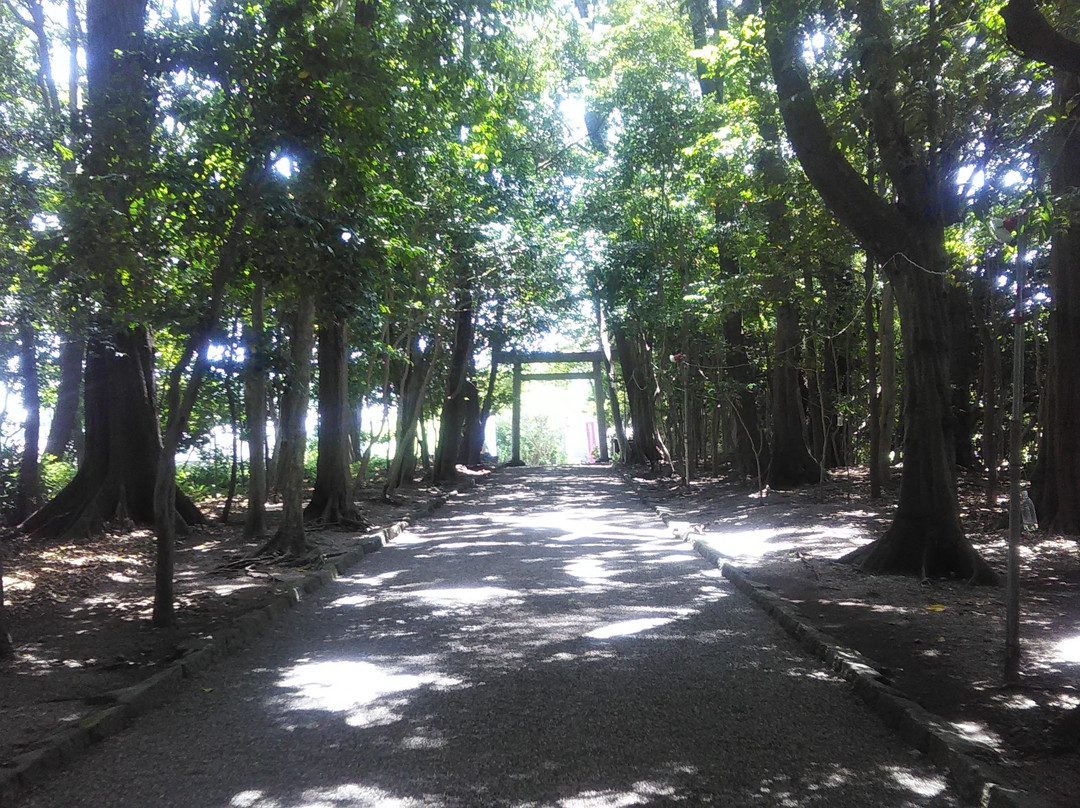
{"x": 877, "y": 468}
{"x": 414, "y": 386}
{"x": 472, "y": 438}
{"x": 331, "y": 499}
{"x": 116, "y": 479}
{"x": 963, "y": 370}
{"x": 887, "y": 402}
{"x": 925, "y": 537}
{"x": 290, "y": 539}
{"x": 909, "y": 238}
{"x": 641, "y": 392}
{"x": 454, "y": 409}
{"x": 66, "y": 414}
{"x": 991, "y": 384}
{"x": 745, "y": 445}
{"x": 28, "y": 489}
{"x": 790, "y": 464}
{"x": 1056, "y": 483}
{"x": 255, "y": 406}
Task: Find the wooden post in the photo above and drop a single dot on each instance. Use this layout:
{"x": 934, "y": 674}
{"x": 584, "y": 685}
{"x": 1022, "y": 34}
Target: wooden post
{"x": 601, "y": 413}
{"x": 515, "y": 428}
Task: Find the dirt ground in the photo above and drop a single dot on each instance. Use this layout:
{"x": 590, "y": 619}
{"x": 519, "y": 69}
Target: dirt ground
{"x": 80, "y": 611}
{"x": 940, "y": 642}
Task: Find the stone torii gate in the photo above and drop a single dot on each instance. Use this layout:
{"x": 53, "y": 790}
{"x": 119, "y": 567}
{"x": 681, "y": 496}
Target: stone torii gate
{"x": 533, "y": 357}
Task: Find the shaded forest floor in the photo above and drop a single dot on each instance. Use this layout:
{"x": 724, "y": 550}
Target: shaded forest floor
{"x": 80, "y": 611}
{"x": 940, "y": 642}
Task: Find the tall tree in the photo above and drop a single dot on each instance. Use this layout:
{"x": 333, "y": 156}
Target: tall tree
{"x": 123, "y": 440}
{"x": 1056, "y": 483}
{"x": 290, "y": 538}
{"x": 908, "y": 236}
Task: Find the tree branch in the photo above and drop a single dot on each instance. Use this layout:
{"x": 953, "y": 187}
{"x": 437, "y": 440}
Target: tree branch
{"x": 1029, "y": 32}
{"x": 873, "y": 222}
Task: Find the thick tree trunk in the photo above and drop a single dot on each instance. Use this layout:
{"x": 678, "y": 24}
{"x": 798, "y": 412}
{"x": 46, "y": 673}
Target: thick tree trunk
{"x": 255, "y": 410}
{"x": 66, "y": 414}
{"x": 641, "y": 392}
{"x": 925, "y": 537}
{"x": 454, "y": 409}
{"x": 1056, "y": 482}
{"x": 28, "y": 489}
{"x": 472, "y": 438}
{"x": 909, "y": 238}
{"x": 116, "y": 478}
{"x": 290, "y": 539}
{"x": 790, "y": 464}
{"x": 331, "y": 499}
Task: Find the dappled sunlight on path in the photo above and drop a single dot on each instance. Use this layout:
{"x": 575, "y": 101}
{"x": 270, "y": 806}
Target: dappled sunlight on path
{"x": 547, "y": 643}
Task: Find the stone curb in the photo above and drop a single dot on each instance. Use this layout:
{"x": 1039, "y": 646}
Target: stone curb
{"x": 25, "y": 770}
{"x": 928, "y": 733}
{"x": 947, "y": 749}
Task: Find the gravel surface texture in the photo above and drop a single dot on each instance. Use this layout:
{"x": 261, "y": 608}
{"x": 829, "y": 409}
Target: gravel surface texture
{"x": 546, "y": 643}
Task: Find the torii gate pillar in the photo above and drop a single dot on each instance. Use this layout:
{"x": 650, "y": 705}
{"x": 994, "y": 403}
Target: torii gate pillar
{"x": 597, "y": 376}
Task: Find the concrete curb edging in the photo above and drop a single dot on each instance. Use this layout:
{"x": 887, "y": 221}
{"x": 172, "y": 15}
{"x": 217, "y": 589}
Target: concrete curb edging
{"x": 29, "y": 768}
{"x": 928, "y": 733}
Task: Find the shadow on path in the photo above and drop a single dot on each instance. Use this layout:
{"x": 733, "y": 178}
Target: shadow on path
{"x": 547, "y": 642}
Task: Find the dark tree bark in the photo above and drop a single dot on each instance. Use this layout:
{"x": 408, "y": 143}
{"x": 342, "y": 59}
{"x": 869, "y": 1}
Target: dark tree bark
{"x": 641, "y": 392}
{"x": 925, "y": 537}
{"x": 123, "y": 441}
{"x": 790, "y": 463}
{"x": 1056, "y": 482}
{"x": 887, "y": 399}
{"x": 413, "y": 392}
{"x": 989, "y": 327}
{"x": 331, "y": 499}
{"x": 115, "y": 481}
{"x": 255, "y": 411}
{"x": 28, "y": 489}
{"x": 877, "y": 468}
{"x": 963, "y": 370}
{"x": 290, "y": 539}
{"x": 66, "y": 414}
{"x": 455, "y": 408}
{"x": 472, "y": 438}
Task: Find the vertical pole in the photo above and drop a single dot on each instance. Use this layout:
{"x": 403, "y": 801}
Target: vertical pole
{"x": 601, "y": 413}
{"x": 515, "y": 428}
{"x": 1012, "y": 577}
{"x": 686, "y": 419}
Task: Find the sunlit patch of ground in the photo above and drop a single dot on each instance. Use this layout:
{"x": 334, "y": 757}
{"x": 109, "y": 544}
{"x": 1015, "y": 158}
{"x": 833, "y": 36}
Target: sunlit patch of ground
{"x": 942, "y": 642}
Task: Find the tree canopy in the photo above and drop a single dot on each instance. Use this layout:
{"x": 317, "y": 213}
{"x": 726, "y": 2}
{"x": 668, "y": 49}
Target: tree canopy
{"x": 731, "y": 193}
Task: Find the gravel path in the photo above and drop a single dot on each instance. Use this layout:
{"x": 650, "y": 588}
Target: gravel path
{"x": 544, "y": 643}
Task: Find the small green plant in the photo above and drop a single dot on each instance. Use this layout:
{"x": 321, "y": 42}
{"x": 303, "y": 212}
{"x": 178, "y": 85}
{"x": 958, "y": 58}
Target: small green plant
{"x": 205, "y": 477}
{"x": 55, "y": 474}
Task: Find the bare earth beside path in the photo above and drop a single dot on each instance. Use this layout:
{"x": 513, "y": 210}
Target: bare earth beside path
{"x": 939, "y": 642}
{"x": 80, "y": 611}
{"x": 80, "y": 614}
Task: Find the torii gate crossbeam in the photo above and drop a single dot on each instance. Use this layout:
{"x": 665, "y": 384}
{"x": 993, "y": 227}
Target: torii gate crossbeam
{"x": 517, "y": 359}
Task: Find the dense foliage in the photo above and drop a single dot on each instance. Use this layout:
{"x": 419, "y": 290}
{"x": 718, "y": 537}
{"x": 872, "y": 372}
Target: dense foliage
{"x": 735, "y": 193}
